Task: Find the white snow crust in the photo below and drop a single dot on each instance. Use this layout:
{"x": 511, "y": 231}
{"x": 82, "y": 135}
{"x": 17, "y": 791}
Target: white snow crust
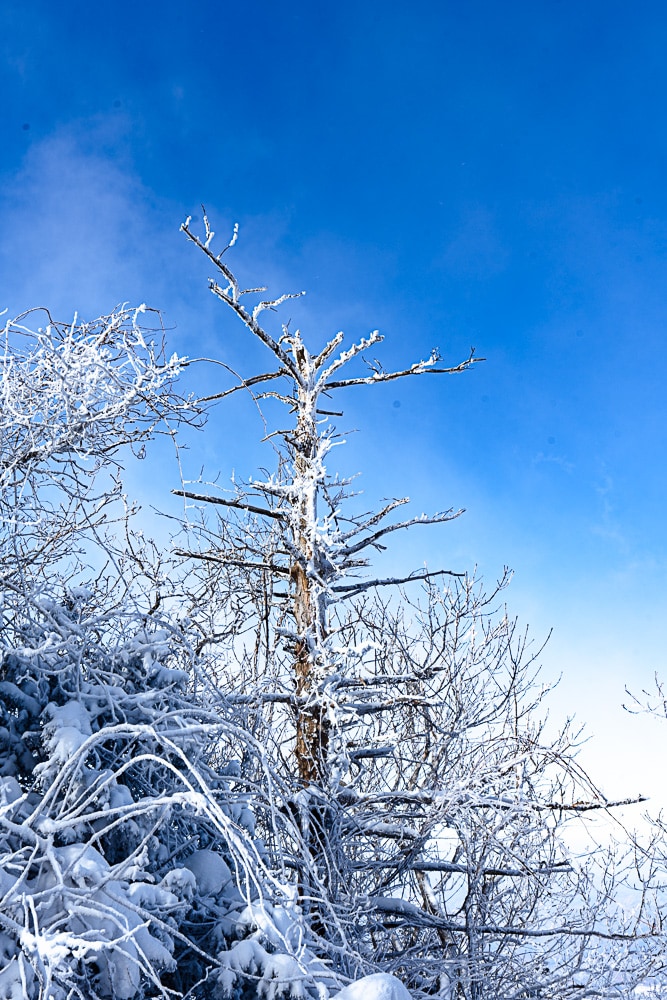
{"x": 380, "y": 986}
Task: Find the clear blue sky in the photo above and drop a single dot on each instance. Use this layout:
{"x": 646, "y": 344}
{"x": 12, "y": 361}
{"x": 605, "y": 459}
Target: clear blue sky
{"x": 453, "y": 173}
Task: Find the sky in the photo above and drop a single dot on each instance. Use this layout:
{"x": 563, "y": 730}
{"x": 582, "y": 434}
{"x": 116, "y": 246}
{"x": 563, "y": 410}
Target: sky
{"x": 453, "y": 174}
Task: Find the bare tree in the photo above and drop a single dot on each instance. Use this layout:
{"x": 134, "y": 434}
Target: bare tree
{"x": 73, "y": 396}
{"x": 405, "y": 781}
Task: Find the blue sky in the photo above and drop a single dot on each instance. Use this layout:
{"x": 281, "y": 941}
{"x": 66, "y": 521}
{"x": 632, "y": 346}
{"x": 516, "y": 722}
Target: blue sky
{"x": 454, "y": 174}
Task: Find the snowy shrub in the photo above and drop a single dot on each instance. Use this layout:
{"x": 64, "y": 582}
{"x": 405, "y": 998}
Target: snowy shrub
{"x": 272, "y": 959}
{"x": 121, "y": 850}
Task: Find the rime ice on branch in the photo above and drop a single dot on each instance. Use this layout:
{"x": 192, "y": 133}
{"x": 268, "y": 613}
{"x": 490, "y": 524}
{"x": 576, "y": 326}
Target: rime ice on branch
{"x": 306, "y": 501}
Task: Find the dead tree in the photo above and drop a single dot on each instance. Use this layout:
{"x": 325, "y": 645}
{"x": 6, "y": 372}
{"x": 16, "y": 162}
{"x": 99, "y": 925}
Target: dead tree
{"x": 320, "y": 555}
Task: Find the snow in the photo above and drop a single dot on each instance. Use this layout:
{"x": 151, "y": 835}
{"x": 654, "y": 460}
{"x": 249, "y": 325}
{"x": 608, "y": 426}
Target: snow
{"x": 380, "y": 986}
{"x": 210, "y": 870}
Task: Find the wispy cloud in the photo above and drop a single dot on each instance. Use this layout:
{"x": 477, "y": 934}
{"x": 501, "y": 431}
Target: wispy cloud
{"x": 81, "y": 232}
{"x": 63, "y": 241}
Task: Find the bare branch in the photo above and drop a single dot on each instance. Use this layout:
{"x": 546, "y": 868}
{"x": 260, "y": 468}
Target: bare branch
{"x": 374, "y": 519}
{"x": 328, "y": 350}
{"x": 232, "y": 300}
{"x": 238, "y": 504}
{"x": 345, "y": 356}
{"x": 413, "y": 916}
{"x": 440, "y": 518}
{"x": 352, "y": 590}
{"x": 420, "y": 368}
{"x": 230, "y": 561}
{"x": 243, "y": 383}
{"x": 274, "y": 303}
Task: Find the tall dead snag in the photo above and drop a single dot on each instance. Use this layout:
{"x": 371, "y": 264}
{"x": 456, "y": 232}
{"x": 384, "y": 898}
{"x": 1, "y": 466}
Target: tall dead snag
{"x": 304, "y": 499}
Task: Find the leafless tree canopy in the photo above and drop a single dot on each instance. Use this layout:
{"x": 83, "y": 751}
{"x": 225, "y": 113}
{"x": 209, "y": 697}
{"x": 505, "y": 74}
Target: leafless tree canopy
{"x": 408, "y": 784}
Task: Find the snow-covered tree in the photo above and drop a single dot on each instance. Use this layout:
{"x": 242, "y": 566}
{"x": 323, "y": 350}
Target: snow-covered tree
{"x": 128, "y": 858}
{"x": 406, "y": 785}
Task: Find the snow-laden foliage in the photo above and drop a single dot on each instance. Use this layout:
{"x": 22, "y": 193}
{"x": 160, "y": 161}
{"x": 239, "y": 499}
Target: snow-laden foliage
{"x": 105, "y": 793}
{"x": 129, "y": 862}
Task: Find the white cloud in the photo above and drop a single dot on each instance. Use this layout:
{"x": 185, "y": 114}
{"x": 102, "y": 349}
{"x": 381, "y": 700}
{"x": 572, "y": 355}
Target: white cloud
{"x": 74, "y": 221}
